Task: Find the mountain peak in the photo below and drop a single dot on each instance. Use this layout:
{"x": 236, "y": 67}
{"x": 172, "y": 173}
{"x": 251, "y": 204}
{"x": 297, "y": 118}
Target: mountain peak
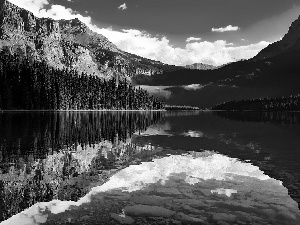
{"x": 67, "y": 44}
{"x": 289, "y": 42}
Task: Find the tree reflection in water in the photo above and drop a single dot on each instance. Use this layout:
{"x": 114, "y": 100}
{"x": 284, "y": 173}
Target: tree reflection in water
{"x": 45, "y": 156}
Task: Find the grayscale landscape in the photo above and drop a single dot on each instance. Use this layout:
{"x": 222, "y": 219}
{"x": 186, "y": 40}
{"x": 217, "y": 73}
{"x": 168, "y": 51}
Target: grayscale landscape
{"x": 149, "y": 112}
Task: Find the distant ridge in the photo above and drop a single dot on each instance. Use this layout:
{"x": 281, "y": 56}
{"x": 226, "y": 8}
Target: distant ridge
{"x": 273, "y": 72}
{"x": 201, "y": 66}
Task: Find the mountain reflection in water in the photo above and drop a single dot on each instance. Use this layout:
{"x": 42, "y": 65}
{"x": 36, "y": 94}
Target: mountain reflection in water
{"x": 194, "y": 188}
{"x": 45, "y": 156}
{"x": 149, "y": 168}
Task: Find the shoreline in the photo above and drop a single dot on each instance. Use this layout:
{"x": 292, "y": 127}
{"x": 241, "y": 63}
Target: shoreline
{"x": 137, "y": 110}
{"x": 252, "y": 111}
{"x": 83, "y": 110}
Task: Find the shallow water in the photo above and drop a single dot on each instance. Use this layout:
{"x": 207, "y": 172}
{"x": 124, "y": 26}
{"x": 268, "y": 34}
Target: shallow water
{"x": 150, "y": 168}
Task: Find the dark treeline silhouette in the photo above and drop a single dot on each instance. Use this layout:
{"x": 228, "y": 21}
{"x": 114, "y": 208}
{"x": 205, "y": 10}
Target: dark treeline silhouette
{"x": 61, "y": 155}
{"x": 180, "y": 107}
{"x": 291, "y": 103}
{"x": 36, "y": 86}
{"x": 274, "y": 117}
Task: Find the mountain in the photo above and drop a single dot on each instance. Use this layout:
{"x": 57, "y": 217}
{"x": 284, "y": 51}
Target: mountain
{"x": 201, "y": 66}
{"x": 71, "y": 45}
{"x": 68, "y": 44}
{"x": 290, "y": 42}
{"x": 48, "y": 64}
{"x": 273, "y": 72}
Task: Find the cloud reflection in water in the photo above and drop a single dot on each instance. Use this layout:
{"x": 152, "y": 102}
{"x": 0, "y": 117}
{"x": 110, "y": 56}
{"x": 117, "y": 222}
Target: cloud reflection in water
{"x": 191, "y": 187}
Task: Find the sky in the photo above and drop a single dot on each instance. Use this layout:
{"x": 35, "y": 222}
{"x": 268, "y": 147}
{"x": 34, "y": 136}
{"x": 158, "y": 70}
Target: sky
{"x": 179, "y": 32}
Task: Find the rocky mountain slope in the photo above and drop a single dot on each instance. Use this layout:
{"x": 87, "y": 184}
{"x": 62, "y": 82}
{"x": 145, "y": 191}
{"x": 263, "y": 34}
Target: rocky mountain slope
{"x": 201, "y": 66}
{"x": 274, "y": 72}
{"x": 68, "y": 44}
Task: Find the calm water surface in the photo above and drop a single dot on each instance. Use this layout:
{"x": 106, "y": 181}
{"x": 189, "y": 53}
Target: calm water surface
{"x": 149, "y": 168}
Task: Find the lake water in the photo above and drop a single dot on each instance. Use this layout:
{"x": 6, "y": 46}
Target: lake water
{"x": 185, "y": 167}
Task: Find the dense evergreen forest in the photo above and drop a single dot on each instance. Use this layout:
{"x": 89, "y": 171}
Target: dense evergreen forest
{"x": 180, "y": 107}
{"x": 36, "y": 86}
{"x": 291, "y": 103}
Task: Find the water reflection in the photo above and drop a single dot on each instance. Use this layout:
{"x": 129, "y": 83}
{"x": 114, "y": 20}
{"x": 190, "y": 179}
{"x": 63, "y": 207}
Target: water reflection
{"x": 195, "y": 188}
{"x": 192, "y": 133}
{"x": 148, "y": 165}
{"x": 284, "y": 118}
{"x": 274, "y": 147}
{"x": 156, "y": 129}
{"x": 45, "y": 156}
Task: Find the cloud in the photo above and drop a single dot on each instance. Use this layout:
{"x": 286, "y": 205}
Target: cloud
{"x": 223, "y": 29}
{"x": 153, "y": 47}
{"x": 33, "y": 6}
{"x": 193, "y": 87}
{"x": 123, "y": 6}
{"x": 192, "y": 39}
{"x": 159, "y": 48}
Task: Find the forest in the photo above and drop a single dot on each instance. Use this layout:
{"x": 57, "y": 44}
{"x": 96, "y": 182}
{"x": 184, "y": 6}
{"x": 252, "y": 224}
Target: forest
{"x": 36, "y": 86}
{"x": 180, "y": 107}
{"x": 291, "y": 103}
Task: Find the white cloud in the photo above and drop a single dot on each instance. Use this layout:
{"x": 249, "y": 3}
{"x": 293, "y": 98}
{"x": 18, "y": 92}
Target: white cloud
{"x": 223, "y": 29}
{"x": 193, "y": 87}
{"x": 192, "y": 39}
{"x": 33, "y": 6}
{"x": 159, "y": 48}
{"x": 123, "y": 6}
{"x": 37, "y": 7}
{"x": 152, "y": 47}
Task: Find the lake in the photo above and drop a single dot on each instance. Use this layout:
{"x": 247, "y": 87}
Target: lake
{"x": 180, "y": 167}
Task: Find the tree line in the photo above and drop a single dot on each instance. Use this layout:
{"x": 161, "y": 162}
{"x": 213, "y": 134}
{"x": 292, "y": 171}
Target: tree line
{"x": 37, "y": 86}
{"x": 291, "y": 103}
{"x": 180, "y": 107}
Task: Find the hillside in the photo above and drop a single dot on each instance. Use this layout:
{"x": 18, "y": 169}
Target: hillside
{"x": 37, "y": 86}
{"x": 71, "y": 45}
{"x": 68, "y": 44}
{"x": 274, "y": 72}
